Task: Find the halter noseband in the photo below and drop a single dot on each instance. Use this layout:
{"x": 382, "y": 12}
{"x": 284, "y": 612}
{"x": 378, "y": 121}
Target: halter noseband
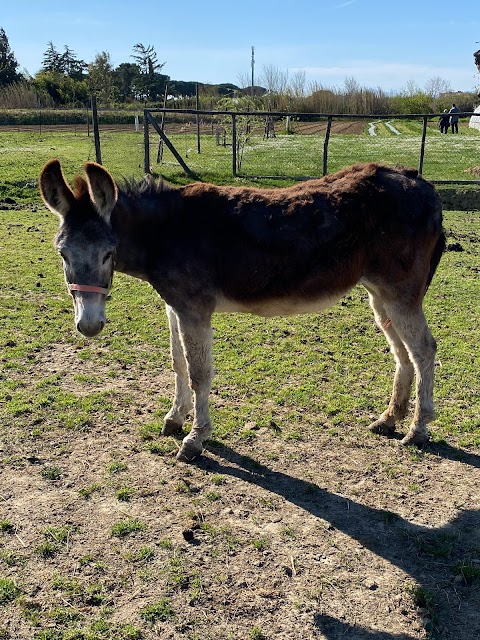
{"x": 88, "y": 288}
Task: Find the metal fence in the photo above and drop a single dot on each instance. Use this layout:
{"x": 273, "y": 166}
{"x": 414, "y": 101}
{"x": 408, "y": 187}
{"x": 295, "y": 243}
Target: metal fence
{"x": 216, "y": 145}
{"x": 29, "y": 138}
{"x": 298, "y": 146}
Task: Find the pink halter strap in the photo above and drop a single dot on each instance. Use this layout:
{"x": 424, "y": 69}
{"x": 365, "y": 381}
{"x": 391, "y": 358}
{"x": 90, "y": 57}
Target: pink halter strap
{"x": 89, "y": 288}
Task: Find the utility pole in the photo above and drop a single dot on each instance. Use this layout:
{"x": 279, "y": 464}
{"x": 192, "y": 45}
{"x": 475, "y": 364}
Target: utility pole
{"x": 253, "y": 67}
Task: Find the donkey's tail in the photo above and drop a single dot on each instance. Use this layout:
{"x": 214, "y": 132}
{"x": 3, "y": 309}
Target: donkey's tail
{"x": 436, "y": 255}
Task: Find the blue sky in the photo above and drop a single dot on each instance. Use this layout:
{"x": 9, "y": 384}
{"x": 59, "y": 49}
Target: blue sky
{"x": 379, "y": 44}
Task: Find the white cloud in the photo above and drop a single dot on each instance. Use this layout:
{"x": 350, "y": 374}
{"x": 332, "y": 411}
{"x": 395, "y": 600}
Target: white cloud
{"x": 388, "y": 75}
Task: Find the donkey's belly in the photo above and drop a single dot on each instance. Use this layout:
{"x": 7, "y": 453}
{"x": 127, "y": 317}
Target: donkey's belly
{"x": 278, "y": 306}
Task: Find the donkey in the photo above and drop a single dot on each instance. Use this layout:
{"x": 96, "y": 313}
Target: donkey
{"x": 282, "y": 251}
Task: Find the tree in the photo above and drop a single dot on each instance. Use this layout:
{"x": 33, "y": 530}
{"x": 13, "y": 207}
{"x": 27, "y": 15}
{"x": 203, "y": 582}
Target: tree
{"x": 146, "y": 58}
{"x": 70, "y": 65}
{"x": 151, "y": 80}
{"x": 274, "y": 79}
{"x": 126, "y": 77}
{"x": 52, "y": 59}
{"x": 8, "y": 63}
{"x": 61, "y": 88}
{"x": 435, "y": 87}
{"x": 65, "y": 63}
{"x": 100, "y": 79}
{"x": 298, "y": 84}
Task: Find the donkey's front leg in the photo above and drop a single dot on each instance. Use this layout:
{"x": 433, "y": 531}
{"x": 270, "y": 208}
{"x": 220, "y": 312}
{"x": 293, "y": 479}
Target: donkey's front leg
{"x": 182, "y": 402}
{"x": 196, "y": 339}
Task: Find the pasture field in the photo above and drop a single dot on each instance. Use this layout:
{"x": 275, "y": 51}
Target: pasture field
{"x": 296, "y": 523}
{"x": 24, "y": 152}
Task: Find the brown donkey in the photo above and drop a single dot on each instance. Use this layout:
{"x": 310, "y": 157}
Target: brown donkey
{"x": 207, "y": 249}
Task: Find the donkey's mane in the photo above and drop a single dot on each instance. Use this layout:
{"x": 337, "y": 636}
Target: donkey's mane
{"x": 131, "y": 187}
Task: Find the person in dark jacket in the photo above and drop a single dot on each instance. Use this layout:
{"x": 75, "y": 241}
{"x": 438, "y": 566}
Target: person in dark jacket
{"x": 454, "y": 118}
{"x": 444, "y": 121}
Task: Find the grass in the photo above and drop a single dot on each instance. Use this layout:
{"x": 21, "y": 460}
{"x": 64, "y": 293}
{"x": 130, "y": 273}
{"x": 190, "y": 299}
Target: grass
{"x": 124, "y": 528}
{"x": 157, "y": 612}
{"x": 24, "y": 153}
{"x": 8, "y": 590}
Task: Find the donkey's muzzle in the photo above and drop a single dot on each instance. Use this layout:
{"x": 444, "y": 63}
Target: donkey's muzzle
{"x": 89, "y": 313}
{"x": 89, "y": 329}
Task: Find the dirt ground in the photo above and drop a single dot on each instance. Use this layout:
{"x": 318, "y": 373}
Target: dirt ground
{"x": 308, "y": 128}
{"x": 349, "y": 536}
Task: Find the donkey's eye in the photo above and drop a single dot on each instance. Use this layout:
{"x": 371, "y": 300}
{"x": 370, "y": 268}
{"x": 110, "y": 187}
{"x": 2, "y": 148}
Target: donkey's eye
{"x": 107, "y": 257}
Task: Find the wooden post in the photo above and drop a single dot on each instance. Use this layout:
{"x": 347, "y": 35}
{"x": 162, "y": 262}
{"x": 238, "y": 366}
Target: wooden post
{"x": 149, "y": 119}
{"x": 325, "y": 145}
{"x": 96, "y": 132}
{"x": 197, "y": 107}
{"x": 252, "y": 88}
{"x": 422, "y": 146}
{"x": 162, "y": 126}
{"x": 234, "y": 145}
{"x": 146, "y": 142}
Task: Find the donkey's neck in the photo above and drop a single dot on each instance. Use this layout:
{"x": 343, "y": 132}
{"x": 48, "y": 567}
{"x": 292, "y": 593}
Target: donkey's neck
{"x": 138, "y": 220}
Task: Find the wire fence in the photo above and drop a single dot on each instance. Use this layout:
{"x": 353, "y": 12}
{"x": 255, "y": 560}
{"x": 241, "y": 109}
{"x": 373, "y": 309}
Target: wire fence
{"x": 296, "y": 146}
{"x": 213, "y": 145}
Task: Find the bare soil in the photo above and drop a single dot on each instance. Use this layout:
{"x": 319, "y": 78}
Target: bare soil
{"x": 307, "y": 128}
{"x": 342, "y": 536}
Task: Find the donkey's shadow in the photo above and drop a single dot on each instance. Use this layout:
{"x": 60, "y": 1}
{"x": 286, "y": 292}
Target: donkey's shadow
{"x": 359, "y": 522}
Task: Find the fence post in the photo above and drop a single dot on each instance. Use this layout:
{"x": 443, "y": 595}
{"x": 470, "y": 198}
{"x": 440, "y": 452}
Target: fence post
{"x": 325, "y": 145}
{"x": 197, "y": 107}
{"x": 234, "y": 145}
{"x": 422, "y": 146}
{"x": 146, "y": 143}
{"x": 96, "y": 132}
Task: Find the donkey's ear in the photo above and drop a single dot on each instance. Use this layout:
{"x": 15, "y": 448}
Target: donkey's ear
{"x": 102, "y": 189}
{"x": 55, "y": 192}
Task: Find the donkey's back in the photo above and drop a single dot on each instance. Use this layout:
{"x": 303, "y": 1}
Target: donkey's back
{"x": 297, "y": 249}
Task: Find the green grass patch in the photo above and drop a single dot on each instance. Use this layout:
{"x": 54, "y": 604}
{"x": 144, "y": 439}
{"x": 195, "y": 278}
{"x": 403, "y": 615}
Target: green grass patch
{"x": 160, "y": 611}
{"x": 124, "y": 528}
{"x": 8, "y": 590}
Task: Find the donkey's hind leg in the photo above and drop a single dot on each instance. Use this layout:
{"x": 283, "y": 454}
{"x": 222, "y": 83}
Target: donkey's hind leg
{"x": 413, "y": 329}
{"x": 182, "y": 402}
{"x": 411, "y": 326}
{"x": 404, "y": 372}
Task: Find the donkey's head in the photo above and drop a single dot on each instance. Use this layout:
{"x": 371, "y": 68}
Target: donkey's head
{"x": 85, "y": 239}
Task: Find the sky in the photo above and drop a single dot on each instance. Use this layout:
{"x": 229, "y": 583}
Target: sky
{"x": 381, "y": 45}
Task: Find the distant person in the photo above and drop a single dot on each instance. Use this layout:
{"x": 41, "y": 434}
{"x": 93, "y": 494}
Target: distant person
{"x": 454, "y": 118}
{"x": 444, "y": 121}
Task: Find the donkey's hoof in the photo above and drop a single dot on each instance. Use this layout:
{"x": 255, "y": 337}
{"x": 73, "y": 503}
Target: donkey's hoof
{"x": 170, "y": 427}
{"x": 382, "y": 428}
{"x": 415, "y": 437}
{"x": 188, "y": 452}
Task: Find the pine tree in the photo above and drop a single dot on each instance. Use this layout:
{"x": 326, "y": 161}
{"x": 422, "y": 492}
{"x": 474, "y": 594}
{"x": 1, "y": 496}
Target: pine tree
{"x": 8, "y": 63}
{"x": 52, "y": 59}
{"x": 66, "y": 63}
{"x": 146, "y": 58}
{"x": 147, "y": 61}
{"x": 71, "y": 65}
